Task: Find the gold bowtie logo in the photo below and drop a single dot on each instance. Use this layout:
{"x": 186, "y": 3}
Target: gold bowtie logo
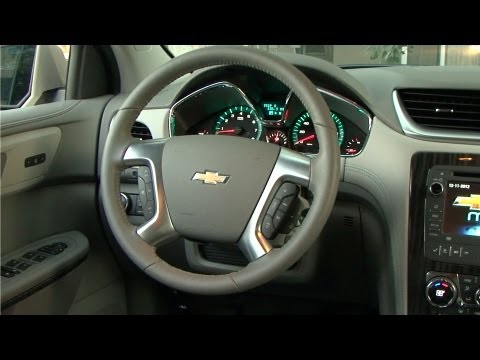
{"x": 472, "y": 201}
{"x": 210, "y": 177}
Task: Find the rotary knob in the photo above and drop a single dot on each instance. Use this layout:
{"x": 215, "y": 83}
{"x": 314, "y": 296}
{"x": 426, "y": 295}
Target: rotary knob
{"x": 441, "y": 292}
{"x": 436, "y": 189}
{"x": 477, "y": 297}
{"x": 125, "y": 201}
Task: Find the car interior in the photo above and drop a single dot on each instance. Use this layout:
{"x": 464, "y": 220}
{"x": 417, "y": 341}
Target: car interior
{"x": 240, "y": 180}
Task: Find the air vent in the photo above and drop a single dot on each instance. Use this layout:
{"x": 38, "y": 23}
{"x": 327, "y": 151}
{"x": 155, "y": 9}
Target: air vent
{"x": 223, "y": 254}
{"x": 348, "y": 221}
{"x": 141, "y": 131}
{"x": 443, "y": 109}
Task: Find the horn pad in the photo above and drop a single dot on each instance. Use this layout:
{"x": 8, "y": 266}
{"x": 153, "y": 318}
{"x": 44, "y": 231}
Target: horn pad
{"x": 213, "y": 183}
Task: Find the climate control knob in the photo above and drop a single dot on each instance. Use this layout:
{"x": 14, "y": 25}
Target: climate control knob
{"x": 441, "y": 292}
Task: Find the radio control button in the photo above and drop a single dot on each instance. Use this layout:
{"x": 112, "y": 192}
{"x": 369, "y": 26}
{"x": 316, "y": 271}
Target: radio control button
{"x": 444, "y": 250}
{"x": 465, "y": 252}
{"x": 435, "y": 215}
{"x": 436, "y": 189}
{"x": 434, "y": 226}
{"x": 454, "y": 251}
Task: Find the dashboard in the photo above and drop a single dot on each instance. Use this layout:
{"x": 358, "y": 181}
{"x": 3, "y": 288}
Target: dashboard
{"x": 368, "y": 108}
{"x": 274, "y": 116}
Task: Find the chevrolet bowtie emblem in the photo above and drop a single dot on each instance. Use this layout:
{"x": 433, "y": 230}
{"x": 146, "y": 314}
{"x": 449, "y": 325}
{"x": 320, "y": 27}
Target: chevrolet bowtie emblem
{"x": 210, "y": 177}
{"x": 473, "y": 201}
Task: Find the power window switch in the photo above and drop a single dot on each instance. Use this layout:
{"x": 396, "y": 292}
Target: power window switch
{"x": 13, "y": 263}
{"x": 23, "y": 266}
{"x": 39, "y": 258}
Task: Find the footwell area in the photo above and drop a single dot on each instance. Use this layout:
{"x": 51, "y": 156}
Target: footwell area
{"x": 257, "y": 304}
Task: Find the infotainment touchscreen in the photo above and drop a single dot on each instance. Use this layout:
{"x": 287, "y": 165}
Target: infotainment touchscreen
{"x": 462, "y": 209}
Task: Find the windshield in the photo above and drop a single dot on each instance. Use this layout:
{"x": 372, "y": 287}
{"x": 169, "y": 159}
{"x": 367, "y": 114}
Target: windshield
{"x": 442, "y": 55}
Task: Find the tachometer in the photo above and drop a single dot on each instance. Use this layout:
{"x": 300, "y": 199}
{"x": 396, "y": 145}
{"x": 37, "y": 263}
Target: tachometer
{"x": 304, "y": 138}
{"x": 239, "y": 121}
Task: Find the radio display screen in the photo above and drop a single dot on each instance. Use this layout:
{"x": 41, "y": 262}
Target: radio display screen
{"x": 462, "y": 209}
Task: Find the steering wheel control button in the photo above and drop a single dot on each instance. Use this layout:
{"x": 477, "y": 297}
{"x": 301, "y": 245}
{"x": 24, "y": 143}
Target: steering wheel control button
{"x": 268, "y": 230}
{"x": 149, "y": 191}
{"x": 441, "y": 292}
{"x": 149, "y": 210}
{"x": 286, "y": 189}
{"x": 144, "y": 173}
{"x": 436, "y": 189}
{"x": 139, "y": 208}
{"x": 142, "y": 191}
{"x": 278, "y": 218}
{"x": 285, "y": 203}
{"x": 273, "y": 207}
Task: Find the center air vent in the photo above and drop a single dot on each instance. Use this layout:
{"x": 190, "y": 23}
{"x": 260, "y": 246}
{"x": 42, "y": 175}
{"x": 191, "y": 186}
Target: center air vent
{"x": 141, "y": 131}
{"x": 443, "y": 109}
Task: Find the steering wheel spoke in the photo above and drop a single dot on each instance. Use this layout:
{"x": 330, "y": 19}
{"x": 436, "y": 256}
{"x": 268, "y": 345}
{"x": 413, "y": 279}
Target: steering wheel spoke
{"x": 147, "y": 155}
{"x": 291, "y": 169}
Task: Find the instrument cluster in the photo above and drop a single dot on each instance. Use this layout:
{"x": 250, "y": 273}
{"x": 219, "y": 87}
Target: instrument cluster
{"x": 281, "y": 119}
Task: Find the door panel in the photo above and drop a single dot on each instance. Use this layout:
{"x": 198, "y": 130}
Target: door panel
{"x": 64, "y": 199}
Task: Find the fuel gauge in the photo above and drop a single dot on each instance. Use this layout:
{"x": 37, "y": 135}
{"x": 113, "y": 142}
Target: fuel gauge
{"x": 353, "y": 146}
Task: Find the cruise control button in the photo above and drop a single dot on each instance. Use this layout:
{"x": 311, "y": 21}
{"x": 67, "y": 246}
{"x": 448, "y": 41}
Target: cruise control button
{"x": 268, "y": 229}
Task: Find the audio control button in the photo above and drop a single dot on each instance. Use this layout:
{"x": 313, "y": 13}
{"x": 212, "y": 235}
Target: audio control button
{"x": 436, "y": 189}
{"x": 444, "y": 251}
{"x": 435, "y": 216}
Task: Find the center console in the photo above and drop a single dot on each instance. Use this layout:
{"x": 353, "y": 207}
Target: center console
{"x": 444, "y": 236}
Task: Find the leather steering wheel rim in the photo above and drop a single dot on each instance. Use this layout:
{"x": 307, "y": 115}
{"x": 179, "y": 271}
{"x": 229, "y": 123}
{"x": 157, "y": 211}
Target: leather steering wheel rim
{"x": 322, "y": 179}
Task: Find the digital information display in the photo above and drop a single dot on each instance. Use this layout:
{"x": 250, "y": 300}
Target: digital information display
{"x": 273, "y": 110}
{"x": 462, "y": 209}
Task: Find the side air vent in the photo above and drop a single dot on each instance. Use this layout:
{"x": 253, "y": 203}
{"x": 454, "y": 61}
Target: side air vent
{"x": 141, "y": 131}
{"x": 443, "y": 109}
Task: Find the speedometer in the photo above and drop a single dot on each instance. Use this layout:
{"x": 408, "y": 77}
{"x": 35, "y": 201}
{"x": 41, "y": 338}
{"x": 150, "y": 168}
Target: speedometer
{"x": 239, "y": 121}
{"x": 304, "y": 137}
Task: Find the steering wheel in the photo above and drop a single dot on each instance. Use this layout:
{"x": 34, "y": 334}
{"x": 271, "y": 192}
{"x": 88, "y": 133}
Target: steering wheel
{"x": 218, "y": 189}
